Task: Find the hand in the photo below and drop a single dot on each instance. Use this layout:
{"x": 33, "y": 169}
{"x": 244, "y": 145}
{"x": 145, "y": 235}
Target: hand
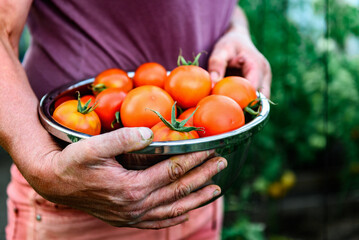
{"x": 87, "y": 177}
{"x": 236, "y": 50}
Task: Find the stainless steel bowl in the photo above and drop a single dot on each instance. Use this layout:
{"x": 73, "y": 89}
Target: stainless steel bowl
{"x": 231, "y": 145}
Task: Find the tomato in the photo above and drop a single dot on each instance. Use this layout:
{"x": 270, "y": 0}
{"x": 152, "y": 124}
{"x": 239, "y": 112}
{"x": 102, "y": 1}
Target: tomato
{"x": 108, "y": 107}
{"x": 218, "y": 114}
{"x": 237, "y": 88}
{"x": 135, "y": 109}
{"x": 189, "y": 83}
{"x": 86, "y": 98}
{"x": 112, "y": 78}
{"x": 288, "y": 179}
{"x": 275, "y": 190}
{"x": 186, "y": 114}
{"x": 173, "y": 130}
{"x": 163, "y": 133}
{"x": 150, "y": 73}
{"x": 63, "y": 99}
{"x": 74, "y": 115}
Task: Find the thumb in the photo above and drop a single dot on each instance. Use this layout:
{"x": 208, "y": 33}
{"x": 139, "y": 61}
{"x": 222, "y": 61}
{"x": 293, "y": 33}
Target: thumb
{"x": 217, "y": 64}
{"x": 114, "y": 143}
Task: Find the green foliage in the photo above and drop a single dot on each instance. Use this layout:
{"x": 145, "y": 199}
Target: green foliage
{"x": 243, "y": 229}
{"x": 342, "y": 18}
{"x": 316, "y": 88}
{"x": 24, "y": 43}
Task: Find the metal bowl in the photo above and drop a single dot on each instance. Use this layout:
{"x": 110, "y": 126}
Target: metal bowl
{"x": 231, "y": 145}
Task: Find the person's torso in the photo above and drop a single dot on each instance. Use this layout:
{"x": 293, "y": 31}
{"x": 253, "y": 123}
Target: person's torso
{"x": 77, "y": 39}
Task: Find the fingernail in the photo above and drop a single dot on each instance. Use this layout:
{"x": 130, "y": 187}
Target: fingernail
{"x": 176, "y": 171}
{"x": 221, "y": 165}
{"x": 214, "y": 76}
{"x": 216, "y": 192}
{"x": 146, "y": 133}
{"x": 209, "y": 152}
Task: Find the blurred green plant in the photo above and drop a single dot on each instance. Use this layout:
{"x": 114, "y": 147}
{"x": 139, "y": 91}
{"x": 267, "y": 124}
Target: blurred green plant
{"x": 24, "y": 43}
{"x": 244, "y": 229}
{"x": 316, "y": 88}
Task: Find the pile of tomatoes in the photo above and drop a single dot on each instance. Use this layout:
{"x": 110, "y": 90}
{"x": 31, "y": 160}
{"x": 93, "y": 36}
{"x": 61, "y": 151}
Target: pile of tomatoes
{"x": 180, "y": 105}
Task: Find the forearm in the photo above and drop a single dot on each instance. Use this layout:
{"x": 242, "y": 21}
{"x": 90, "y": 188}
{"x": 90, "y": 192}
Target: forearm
{"x": 21, "y": 133}
{"x": 239, "y": 21}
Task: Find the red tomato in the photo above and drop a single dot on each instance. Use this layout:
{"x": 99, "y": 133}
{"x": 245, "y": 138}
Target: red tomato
{"x": 186, "y": 114}
{"x": 86, "y": 98}
{"x": 150, "y": 73}
{"x": 162, "y": 133}
{"x": 108, "y": 106}
{"x": 135, "y": 110}
{"x": 218, "y": 114}
{"x": 78, "y": 119}
{"x": 112, "y": 78}
{"x": 237, "y": 88}
{"x": 63, "y": 99}
{"x": 188, "y": 85}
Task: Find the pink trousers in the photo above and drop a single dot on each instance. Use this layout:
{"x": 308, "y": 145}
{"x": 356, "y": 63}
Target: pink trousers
{"x": 31, "y": 217}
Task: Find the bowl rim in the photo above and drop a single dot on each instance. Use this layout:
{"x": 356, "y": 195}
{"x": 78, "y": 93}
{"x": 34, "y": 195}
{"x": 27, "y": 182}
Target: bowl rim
{"x": 236, "y": 136}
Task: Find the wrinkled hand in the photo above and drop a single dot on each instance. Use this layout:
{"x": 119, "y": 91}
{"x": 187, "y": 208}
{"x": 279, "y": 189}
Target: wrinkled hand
{"x": 236, "y": 50}
{"x": 90, "y": 179}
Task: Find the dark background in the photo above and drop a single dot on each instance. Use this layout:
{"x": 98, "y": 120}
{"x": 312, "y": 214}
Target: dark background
{"x": 5, "y": 164}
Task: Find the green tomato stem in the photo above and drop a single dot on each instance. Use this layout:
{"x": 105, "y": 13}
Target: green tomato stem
{"x": 98, "y": 87}
{"x": 181, "y": 61}
{"x": 177, "y": 125}
{"x": 85, "y": 109}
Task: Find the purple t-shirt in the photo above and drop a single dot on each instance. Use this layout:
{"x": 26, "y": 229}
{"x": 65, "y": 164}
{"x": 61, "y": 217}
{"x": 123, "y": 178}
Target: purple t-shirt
{"x": 76, "y": 39}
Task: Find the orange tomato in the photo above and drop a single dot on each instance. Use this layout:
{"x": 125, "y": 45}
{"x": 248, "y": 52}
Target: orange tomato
{"x": 150, "y": 73}
{"x": 186, "y": 114}
{"x": 163, "y": 133}
{"x": 237, "y": 88}
{"x": 135, "y": 109}
{"x": 112, "y": 78}
{"x": 218, "y": 114}
{"x": 188, "y": 85}
{"x": 276, "y": 190}
{"x": 77, "y": 118}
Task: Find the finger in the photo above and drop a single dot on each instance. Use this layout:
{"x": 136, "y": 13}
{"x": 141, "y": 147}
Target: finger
{"x": 260, "y": 78}
{"x": 217, "y": 62}
{"x": 182, "y": 206}
{"x": 170, "y": 170}
{"x": 252, "y": 71}
{"x": 267, "y": 81}
{"x": 113, "y": 143}
{"x": 192, "y": 181}
{"x": 258, "y": 72}
{"x": 265, "y": 89}
{"x": 161, "y": 224}
{"x": 255, "y": 77}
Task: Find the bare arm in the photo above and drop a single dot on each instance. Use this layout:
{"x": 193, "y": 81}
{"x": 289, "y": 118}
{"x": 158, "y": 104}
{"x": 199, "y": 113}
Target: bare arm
{"x": 235, "y": 49}
{"x": 154, "y": 198}
{"x": 239, "y": 21}
{"x": 18, "y": 100}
